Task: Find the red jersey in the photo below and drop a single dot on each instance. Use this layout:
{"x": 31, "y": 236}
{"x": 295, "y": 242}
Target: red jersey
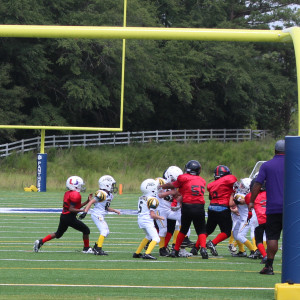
{"x": 191, "y": 187}
{"x": 221, "y": 189}
{"x": 71, "y": 198}
{"x": 260, "y": 205}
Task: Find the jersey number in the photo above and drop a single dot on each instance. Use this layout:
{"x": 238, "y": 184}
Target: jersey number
{"x": 197, "y": 190}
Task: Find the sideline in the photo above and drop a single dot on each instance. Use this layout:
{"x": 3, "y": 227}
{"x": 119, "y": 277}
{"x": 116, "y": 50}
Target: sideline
{"x": 137, "y": 286}
{"x": 52, "y": 210}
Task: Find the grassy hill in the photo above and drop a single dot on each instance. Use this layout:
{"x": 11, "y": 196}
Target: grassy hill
{"x": 130, "y": 165}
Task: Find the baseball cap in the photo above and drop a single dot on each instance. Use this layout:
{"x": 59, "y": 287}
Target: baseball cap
{"x": 280, "y": 146}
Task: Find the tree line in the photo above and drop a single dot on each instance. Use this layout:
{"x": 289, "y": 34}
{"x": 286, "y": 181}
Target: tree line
{"x": 168, "y": 84}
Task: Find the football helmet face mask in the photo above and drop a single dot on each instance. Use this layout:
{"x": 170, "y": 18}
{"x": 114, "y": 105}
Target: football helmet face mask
{"x": 242, "y": 186}
{"x": 172, "y": 173}
{"x": 75, "y": 183}
{"x": 193, "y": 167}
{"x": 149, "y": 187}
{"x": 221, "y": 171}
{"x": 108, "y": 183}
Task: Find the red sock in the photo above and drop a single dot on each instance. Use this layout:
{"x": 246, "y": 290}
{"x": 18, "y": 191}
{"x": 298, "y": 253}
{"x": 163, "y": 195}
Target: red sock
{"x": 202, "y": 240}
{"x": 86, "y": 243}
{"x": 179, "y": 240}
{"x": 167, "y": 238}
{"x": 219, "y": 238}
{"x": 47, "y": 238}
{"x": 261, "y": 249}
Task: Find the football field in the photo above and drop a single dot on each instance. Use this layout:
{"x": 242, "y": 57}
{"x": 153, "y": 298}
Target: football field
{"x": 61, "y": 271}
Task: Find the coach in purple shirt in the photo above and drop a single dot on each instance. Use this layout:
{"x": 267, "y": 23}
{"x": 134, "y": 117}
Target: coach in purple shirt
{"x": 272, "y": 173}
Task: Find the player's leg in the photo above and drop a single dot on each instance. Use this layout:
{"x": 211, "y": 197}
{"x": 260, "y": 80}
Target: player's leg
{"x": 259, "y": 236}
{"x": 162, "y": 228}
{"x": 104, "y": 232}
{"x": 80, "y": 226}
{"x": 170, "y": 230}
{"x": 273, "y": 231}
{"x": 223, "y": 219}
{"x": 153, "y": 235}
{"x": 198, "y": 219}
{"x": 61, "y": 229}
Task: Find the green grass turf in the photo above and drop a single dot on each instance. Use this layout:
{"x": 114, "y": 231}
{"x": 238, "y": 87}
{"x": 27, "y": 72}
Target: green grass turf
{"x": 61, "y": 271}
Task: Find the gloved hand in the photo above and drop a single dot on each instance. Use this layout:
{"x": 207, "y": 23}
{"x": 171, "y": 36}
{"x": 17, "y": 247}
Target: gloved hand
{"x": 82, "y": 216}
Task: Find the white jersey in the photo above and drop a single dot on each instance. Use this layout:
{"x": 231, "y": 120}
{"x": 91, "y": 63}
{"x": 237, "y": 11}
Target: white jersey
{"x": 165, "y": 203}
{"x": 101, "y": 206}
{"x": 243, "y": 208}
{"x": 144, "y": 212}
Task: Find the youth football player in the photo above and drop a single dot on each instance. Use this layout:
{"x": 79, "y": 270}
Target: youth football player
{"x": 71, "y": 207}
{"x": 102, "y": 201}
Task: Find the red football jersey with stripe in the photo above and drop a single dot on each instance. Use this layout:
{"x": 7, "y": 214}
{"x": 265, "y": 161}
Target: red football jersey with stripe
{"x": 191, "y": 187}
{"x": 71, "y": 198}
{"x": 221, "y": 189}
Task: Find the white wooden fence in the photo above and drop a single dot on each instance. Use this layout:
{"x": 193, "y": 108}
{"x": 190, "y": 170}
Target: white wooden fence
{"x": 158, "y": 136}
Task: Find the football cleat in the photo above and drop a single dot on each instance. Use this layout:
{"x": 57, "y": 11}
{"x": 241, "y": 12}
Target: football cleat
{"x": 254, "y": 254}
{"x": 148, "y": 256}
{"x": 135, "y": 255}
{"x": 203, "y": 253}
{"x": 187, "y": 243}
{"x": 37, "y": 245}
{"x": 194, "y": 250}
{"x": 87, "y": 250}
{"x": 174, "y": 253}
{"x": 98, "y": 250}
{"x": 264, "y": 260}
{"x": 163, "y": 252}
{"x": 184, "y": 253}
{"x": 240, "y": 254}
{"x": 267, "y": 271}
{"x": 232, "y": 248}
{"x": 210, "y": 245}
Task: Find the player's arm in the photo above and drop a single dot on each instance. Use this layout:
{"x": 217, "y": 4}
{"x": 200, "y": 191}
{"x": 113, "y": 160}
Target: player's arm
{"x": 114, "y": 210}
{"x": 72, "y": 209}
{"x": 154, "y": 216}
{"x": 166, "y": 186}
{"x": 91, "y": 202}
{"x": 90, "y": 197}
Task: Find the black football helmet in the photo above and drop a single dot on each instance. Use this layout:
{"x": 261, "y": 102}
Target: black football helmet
{"x": 193, "y": 167}
{"x": 221, "y": 171}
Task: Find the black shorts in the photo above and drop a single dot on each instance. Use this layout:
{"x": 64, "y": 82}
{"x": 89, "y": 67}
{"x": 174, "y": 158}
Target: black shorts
{"x": 274, "y": 226}
{"x": 259, "y": 233}
{"x": 70, "y": 220}
{"x": 193, "y": 213}
{"x": 222, "y": 219}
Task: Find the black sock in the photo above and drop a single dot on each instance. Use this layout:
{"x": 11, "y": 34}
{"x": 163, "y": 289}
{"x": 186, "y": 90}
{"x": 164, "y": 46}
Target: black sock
{"x": 269, "y": 262}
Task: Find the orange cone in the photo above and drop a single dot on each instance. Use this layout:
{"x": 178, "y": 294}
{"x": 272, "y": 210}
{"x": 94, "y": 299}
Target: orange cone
{"x": 120, "y": 189}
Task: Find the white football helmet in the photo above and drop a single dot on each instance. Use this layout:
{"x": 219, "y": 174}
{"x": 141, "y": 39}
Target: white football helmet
{"x": 149, "y": 187}
{"x": 242, "y": 186}
{"x": 75, "y": 183}
{"x": 108, "y": 183}
{"x": 172, "y": 173}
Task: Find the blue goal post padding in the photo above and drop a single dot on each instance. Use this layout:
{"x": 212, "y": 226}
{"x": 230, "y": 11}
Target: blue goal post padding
{"x": 291, "y": 212}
